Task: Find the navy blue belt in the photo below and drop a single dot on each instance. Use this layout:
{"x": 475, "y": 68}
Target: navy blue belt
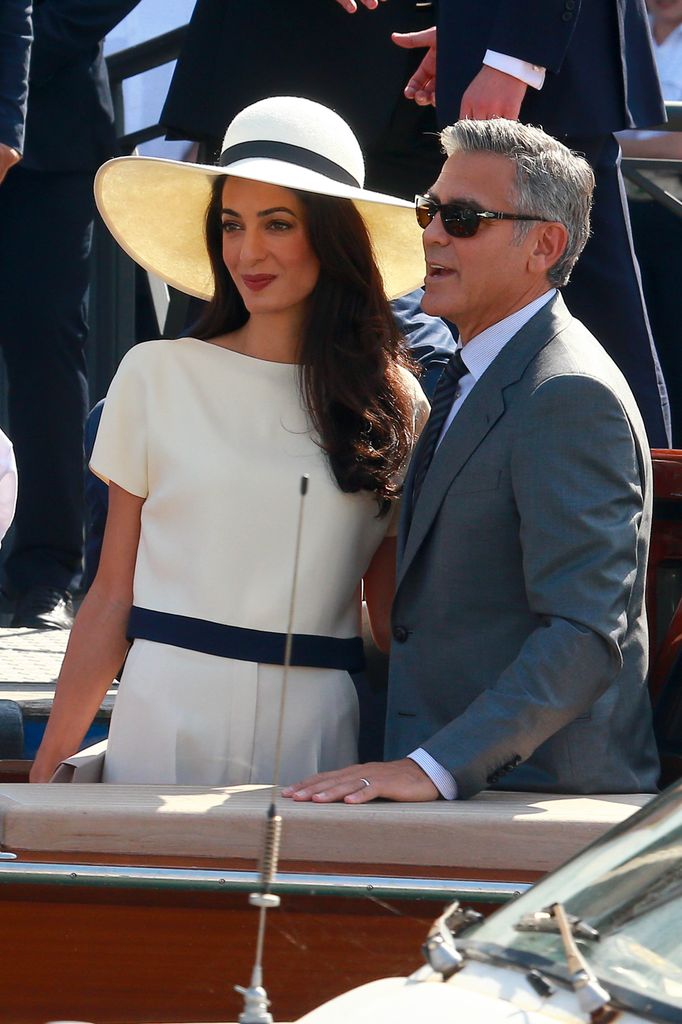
{"x": 244, "y": 644}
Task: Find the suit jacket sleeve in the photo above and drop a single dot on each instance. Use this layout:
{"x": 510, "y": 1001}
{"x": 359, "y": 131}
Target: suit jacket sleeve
{"x": 537, "y": 31}
{"x": 580, "y": 499}
{"x": 66, "y": 29}
{"x": 15, "y": 45}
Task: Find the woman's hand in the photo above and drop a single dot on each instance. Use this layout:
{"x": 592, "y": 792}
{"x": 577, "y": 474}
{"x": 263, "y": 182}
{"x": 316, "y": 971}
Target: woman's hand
{"x": 352, "y": 5}
{"x": 44, "y": 766}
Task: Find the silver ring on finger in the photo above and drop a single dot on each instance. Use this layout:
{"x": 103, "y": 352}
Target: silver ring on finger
{"x": 365, "y": 782}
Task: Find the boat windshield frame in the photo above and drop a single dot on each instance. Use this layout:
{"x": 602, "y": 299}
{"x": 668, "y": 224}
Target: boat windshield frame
{"x": 621, "y": 885}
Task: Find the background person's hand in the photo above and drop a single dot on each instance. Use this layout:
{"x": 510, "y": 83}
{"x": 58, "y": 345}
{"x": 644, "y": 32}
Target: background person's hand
{"x": 493, "y": 93}
{"x": 352, "y": 5}
{"x": 8, "y": 158}
{"x": 422, "y": 86}
{"x": 400, "y": 780}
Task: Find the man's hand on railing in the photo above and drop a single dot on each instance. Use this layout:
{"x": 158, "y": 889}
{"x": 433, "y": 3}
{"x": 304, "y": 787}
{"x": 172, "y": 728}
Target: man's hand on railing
{"x": 8, "y": 158}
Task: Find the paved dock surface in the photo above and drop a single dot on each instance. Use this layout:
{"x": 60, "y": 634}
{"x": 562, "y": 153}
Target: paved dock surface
{"x": 30, "y": 660}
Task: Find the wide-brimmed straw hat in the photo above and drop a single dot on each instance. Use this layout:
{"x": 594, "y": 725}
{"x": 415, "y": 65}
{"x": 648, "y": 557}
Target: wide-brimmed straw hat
{"x": 156, "y": 208}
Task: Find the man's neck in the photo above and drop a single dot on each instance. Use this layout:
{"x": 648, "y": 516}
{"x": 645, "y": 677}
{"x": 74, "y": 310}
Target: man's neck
{"x": 469, "y": 331}
{"x": 662, "y": 29}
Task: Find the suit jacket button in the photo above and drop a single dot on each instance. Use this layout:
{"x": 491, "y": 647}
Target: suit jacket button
{"x": 567, "y": 16}
{"x": 570, "y": 5}
{"x": 399, "y": 634}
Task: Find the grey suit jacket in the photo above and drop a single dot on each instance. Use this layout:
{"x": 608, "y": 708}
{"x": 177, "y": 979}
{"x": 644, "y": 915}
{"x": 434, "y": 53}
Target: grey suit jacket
{"x": 520, "y": 638}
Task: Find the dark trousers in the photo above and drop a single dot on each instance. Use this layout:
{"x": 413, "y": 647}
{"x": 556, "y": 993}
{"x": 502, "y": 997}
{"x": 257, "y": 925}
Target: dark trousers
{"x": 46, "y": 230}
{"x": 605, "y": 289}
{"x": 658, "y": 243}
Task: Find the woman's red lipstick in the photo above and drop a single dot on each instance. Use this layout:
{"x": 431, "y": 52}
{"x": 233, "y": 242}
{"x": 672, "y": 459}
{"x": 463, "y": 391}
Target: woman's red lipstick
{"x": 257, "y": 282}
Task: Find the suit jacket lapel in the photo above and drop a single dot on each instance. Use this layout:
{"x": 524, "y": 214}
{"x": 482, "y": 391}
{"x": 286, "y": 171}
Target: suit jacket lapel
{"x": 475, "y": 419}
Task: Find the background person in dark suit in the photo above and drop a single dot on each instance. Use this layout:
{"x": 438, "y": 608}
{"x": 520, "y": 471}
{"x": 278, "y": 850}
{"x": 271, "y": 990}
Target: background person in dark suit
{"x": 519, "y": 626}
{"x": 46, "y": 218}
{"x": 582, "y": 69}
{"x": 15, "y": 47}
{"x": 242, "y": 51}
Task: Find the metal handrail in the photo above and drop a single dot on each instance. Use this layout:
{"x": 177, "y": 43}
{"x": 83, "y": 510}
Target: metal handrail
{"x": 673, "y": 112}
{"x": 134, "y": 60}
{"x": 286, "y": 882}
{"x": 635, "y": 167}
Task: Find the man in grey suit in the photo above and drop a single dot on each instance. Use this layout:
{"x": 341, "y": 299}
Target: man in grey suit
{"x": 519, "y": 627}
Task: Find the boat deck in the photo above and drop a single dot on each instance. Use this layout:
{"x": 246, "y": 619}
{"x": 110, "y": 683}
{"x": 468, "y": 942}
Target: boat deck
{"x": 489, "y": 833}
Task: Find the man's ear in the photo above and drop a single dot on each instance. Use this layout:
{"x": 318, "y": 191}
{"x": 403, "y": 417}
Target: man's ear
{"x": 550, "y": 240}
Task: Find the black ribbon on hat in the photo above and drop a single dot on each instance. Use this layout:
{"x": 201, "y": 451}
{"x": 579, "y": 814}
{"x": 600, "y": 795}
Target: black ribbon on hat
{"x": 290, "y": 154}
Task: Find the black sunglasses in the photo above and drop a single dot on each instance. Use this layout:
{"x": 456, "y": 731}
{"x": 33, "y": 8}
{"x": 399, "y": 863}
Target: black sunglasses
{"x": 459, "y": 220}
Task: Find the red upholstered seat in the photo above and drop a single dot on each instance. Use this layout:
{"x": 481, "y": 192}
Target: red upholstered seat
{"x": 664, "y": 603}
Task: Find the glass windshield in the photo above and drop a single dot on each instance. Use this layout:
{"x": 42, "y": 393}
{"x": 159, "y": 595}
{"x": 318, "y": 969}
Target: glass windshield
{"x": 629, "y": 887}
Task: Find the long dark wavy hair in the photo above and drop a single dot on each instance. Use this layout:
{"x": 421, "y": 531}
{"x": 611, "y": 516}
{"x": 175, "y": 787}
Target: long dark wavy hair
{"x": 351, "y": 350}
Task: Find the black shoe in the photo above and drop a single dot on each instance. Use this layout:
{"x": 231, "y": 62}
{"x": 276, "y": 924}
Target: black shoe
{"x": 43, "y": 608}
{"x": 8, "y": 598}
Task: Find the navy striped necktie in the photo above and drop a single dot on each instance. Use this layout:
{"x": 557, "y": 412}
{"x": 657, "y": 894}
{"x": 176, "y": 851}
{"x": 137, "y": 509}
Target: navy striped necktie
{"x": 444, "y": 396}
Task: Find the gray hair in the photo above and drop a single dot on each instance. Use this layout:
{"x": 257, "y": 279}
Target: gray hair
{"x": 552, "y": 182}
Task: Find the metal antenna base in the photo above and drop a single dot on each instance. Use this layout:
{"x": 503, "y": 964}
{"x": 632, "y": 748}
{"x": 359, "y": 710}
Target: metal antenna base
{"x": 256, "y": 1004}
{"x": 264, "y": 900}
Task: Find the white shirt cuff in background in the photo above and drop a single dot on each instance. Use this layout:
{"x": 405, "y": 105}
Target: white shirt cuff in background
{"x": 8, "y": 484}
{"x": 440, "y": 777}
{"x": 532, "y": 74}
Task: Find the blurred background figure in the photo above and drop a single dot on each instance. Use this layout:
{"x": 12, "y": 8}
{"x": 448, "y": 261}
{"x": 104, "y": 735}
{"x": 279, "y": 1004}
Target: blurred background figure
{"x": 242, "y": 51}
{"x": 8, "y": 484}
{"x": 582, "y": 69}
{"x": 657, "y": 231}
{"x": 15, "y": 47}
{"x": 46, "y": 220}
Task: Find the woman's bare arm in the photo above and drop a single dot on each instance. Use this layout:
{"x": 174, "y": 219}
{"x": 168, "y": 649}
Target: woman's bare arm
{"x": 379, "y": 584}
{"x": 97, "y": 645}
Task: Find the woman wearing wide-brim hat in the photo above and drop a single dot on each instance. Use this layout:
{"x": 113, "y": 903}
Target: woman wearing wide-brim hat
{"x": 295, "y": 368}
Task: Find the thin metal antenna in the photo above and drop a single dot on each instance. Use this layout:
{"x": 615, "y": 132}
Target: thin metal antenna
{"x": 256, "y": 1000}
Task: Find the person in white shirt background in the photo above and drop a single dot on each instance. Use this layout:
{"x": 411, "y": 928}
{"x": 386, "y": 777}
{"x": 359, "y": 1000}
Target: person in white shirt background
{"x": 8, "y": 484}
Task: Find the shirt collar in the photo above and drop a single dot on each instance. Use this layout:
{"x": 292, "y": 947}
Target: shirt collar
{"x": 480, "y": 351}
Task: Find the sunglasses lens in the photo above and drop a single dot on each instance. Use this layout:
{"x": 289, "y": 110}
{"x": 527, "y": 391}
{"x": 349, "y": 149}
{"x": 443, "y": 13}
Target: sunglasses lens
{"x": 459, "y": 222}
{"x": 425, "y": 214}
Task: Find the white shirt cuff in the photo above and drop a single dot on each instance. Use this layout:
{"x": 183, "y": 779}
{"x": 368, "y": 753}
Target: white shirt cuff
{"x": 532, "y": 74}
{"x": 440, "y": 777}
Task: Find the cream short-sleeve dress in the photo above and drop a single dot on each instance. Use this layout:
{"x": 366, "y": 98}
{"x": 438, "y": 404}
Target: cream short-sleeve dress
{"x": 216, "y": 443}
